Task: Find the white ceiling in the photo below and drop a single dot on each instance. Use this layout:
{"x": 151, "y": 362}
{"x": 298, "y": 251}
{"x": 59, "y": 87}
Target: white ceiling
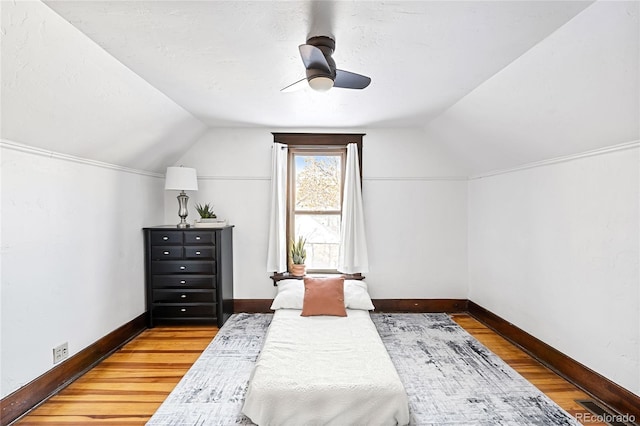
{"x": 494, "y": 84}
{"x": 577, "y": 91}
{"x": 225, "y": 61}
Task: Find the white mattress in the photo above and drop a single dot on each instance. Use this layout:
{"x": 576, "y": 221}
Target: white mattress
{"x": 325, "y": 371}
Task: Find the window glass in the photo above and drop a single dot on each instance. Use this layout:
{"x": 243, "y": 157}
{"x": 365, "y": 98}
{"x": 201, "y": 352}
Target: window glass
{"x": 315, "y": 204}
{"x": 318, "y": 182}
{"x": 322, "y": 232}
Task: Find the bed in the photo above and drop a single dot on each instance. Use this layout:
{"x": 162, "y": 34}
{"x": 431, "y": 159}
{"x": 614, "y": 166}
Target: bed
{"x": 324, "y": 369}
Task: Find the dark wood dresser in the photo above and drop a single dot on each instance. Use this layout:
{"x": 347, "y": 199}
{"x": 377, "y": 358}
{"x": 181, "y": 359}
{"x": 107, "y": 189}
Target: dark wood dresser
{"x": 189, "y": 275}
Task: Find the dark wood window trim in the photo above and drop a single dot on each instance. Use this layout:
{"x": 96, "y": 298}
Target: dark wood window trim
{"x": 287, "y": 276}
{"x": 319, "y": 140}
{"x": 322, "y": 139}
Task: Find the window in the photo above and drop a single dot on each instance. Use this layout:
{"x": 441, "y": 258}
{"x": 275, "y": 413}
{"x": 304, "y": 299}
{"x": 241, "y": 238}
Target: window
{"x": 315, "y": 184}
{"x": 315, "y": 203}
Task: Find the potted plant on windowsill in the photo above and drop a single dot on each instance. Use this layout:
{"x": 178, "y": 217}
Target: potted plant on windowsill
{"x": 298, "y": 256}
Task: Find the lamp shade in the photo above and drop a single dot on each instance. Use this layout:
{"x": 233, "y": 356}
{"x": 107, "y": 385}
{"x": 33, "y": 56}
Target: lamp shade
{"x": 181, "y": 179}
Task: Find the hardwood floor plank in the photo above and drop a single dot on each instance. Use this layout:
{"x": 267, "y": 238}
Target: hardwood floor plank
{"x": 98, "y": 408}
{"x": 147, "y": 396}
{"x": 142, "y": 375}
{"x": 84, "y": 420}
{"x": 129, "y": 386}
{"x": 116, "y": 388}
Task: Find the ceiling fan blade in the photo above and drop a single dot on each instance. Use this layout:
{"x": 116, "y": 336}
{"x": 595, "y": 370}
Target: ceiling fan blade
{"x": 300, "y": 84}
{"x": 313, "y": 58}
{"x": 350, "y": 80}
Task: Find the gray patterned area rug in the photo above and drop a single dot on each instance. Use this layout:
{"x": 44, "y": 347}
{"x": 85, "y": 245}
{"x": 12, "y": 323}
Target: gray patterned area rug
{"x": 450, "y": 377}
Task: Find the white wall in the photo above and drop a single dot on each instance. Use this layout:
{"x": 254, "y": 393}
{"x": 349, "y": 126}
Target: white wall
{"x": 72, "y": 255}
{"x": 415, "y": 199}
{"x": 554, "y": 250}
{"x": 415, "y": 206}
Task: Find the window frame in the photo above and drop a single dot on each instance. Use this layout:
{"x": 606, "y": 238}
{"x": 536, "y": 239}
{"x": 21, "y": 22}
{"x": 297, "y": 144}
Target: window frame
{"x": 322, "y": 139}
{"x": 311, "y": 150}
{"x": 310, "y": 142}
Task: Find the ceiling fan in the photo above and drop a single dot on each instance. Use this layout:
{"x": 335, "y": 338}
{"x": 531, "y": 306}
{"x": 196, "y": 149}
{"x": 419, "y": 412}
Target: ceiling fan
{"x": 321, "y": 70}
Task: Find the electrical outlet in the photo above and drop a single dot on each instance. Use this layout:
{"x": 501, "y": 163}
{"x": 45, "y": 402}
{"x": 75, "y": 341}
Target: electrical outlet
{"x": 60, "y": 352}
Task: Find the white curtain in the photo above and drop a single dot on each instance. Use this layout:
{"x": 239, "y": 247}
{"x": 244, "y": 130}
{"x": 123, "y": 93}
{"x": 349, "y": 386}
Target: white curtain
{"x": 277, "y": 251}
{"x": 353, "y": 241}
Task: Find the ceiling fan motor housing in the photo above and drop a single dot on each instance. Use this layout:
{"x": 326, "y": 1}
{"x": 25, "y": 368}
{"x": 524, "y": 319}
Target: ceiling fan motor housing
{"x": 326, "y": 45}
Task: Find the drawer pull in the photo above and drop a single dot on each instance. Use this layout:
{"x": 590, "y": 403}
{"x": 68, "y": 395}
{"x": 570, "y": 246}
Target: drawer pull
{"x": 183, "y": 296}
{"x": 183, "y": 310}
{"x": 197, "y": 253}
{"x": 166, "y": 253}
{"x": 182, "y": 268}
{"x": 183, "y": 281}
{"x": 165, "y": 238}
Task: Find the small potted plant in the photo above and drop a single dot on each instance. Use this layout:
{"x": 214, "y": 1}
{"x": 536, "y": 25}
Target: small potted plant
{"x": 206, "y": 212}
{"x": 298, "y": 256}
{"x": 208, "y": 218}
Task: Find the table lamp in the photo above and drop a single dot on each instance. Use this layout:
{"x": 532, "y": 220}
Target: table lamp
{"x": 181, "y": 179}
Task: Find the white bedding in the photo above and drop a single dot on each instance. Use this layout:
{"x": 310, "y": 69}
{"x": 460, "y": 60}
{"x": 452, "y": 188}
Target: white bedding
{"x": 325, "y": 370}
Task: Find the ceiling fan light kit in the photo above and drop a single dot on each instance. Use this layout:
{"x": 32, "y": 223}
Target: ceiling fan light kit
{"x": 320, "y": 83}
{"x": 321, "y": 70}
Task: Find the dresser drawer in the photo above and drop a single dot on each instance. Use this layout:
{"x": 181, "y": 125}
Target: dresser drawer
{"x": 206, "y": 237}
{"x": 184, "y": 296}
{"x": 166, "y": 252}
{"x": 166, "y": 237}
{"x": 199, "y": 252}
{"x": 183, "y": 267}
{"x": 183, "y": 281}
{"x": 184, "y": 311}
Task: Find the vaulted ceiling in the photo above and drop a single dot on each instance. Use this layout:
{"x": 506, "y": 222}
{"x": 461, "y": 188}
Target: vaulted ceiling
{"x": 498, "y": 83}
{"x": 226, "y": 62}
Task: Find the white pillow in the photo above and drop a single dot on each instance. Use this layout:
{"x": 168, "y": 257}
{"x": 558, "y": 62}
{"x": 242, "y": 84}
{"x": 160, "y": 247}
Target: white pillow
{"x": 356, "y": 295}
{"x": 291, "y": 295}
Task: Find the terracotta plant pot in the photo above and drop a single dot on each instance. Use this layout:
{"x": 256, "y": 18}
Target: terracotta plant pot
{"x": 298, "y": 270}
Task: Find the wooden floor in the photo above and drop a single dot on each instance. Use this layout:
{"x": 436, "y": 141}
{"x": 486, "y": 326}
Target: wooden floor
{"x": 128, "y": 387}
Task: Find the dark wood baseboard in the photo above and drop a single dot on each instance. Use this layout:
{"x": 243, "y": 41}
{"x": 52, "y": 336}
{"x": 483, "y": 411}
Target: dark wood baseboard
{"x": 252, "y": 306}
{"x": 40, "y": 389}
{"x": 420, "y": 305}
{"x": 382, "y": 305}
{"x": 617, "y": 397}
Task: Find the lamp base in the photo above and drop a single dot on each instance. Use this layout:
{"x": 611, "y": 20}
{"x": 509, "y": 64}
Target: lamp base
{"x": 182, "y": 210}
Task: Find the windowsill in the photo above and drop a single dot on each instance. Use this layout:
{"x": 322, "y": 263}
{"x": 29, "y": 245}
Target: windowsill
{"x": 287, "y": 276}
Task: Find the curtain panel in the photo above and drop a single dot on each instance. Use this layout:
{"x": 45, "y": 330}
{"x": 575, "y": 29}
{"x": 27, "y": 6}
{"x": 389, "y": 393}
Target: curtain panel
{"x": 277, "y": 248}
{"x": 353, "y": 257}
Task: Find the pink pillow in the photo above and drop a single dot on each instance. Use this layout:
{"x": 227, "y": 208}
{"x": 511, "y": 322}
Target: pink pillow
{"x": 323, "y": 296}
